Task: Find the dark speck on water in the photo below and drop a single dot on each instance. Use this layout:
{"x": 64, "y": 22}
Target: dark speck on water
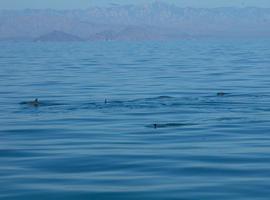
{"x": 34, "y": 103}
{"x": 221, "y": 94}
{"x": 166, "y": 130}
{"x": 171, "y": 125}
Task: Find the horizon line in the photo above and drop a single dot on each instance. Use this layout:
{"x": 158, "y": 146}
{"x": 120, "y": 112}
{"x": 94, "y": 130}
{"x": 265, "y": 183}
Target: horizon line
{"x": 138, "y": 5}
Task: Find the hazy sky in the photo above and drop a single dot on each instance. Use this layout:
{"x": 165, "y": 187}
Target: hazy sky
{"x": 70, "y": 4}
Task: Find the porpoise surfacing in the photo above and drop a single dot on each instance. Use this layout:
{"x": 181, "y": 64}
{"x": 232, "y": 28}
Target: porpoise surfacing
{"x": 221, "y": 94}
{"x": 34, "y": 103}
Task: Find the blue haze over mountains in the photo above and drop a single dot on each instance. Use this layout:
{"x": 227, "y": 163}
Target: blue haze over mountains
{"x": 153, "y": 21}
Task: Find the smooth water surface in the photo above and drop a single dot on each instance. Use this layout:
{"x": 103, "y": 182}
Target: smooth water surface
{"x": 135, "y": 120}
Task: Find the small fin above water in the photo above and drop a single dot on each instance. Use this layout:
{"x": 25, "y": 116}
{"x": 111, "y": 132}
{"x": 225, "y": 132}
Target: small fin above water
{"x": 34, "y": 103}
{"x": 168, "y": 125}
{"x": 221, "y": 94}
{"x": 38, "y": 103}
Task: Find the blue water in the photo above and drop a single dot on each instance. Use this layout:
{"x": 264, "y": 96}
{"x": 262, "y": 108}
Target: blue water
{"x": 135, "y": 120}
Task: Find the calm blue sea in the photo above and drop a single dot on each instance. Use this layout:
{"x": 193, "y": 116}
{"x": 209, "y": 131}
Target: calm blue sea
{"x": 135, "y": 120}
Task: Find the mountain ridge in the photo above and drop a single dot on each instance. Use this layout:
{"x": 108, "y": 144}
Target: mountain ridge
{"x": 58, "y": 36}
{"x": 159, "y": 20}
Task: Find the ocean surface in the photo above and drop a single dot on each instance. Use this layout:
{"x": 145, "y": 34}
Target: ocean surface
{"x": 135, "y": 120}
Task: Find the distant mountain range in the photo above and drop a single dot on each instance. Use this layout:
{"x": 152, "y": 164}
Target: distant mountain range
{"x": 58, "y": 36}
{"x": 154, "y": 21}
